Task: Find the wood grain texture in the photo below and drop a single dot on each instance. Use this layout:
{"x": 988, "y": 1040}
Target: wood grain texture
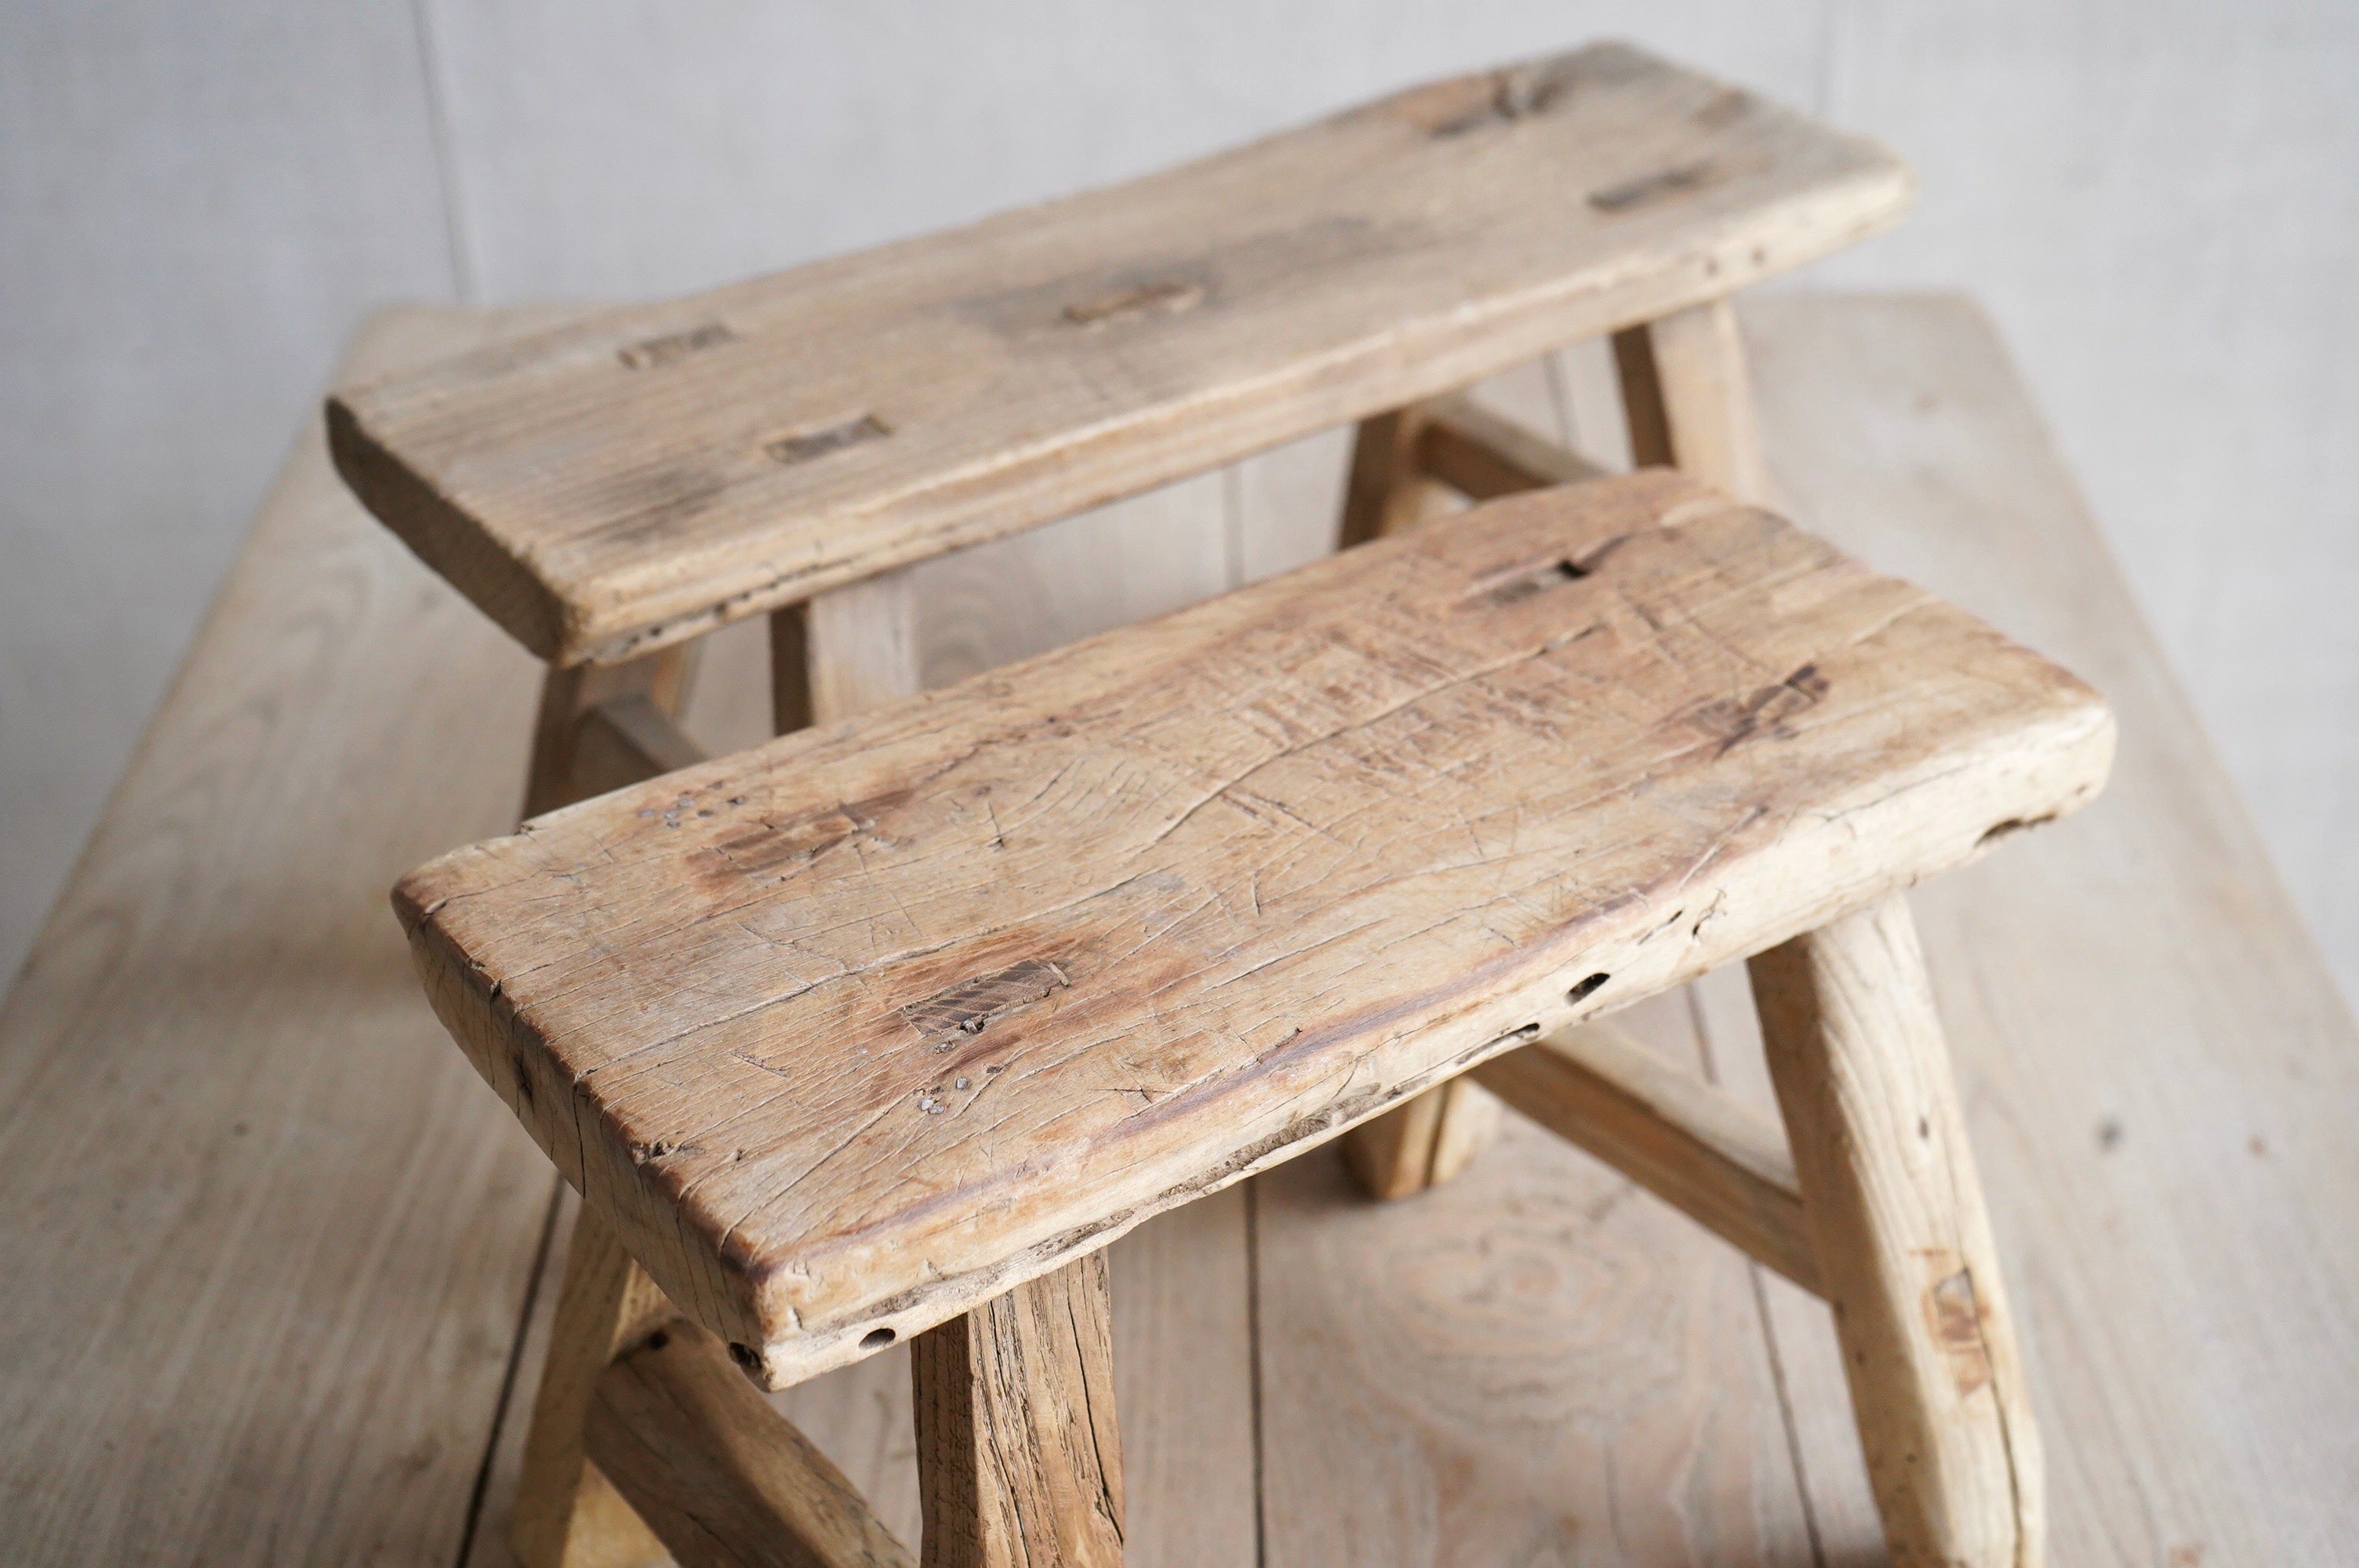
{"x": 2157, "y": 1070}
{"x": 1534, "y": 1364}
{"x": 262, "y": 1253}
{"x": 1723, "y": 1164}
{"x": 1020, "y": 1453}
{"x": 959, "y": 883}
{"x": 1894, "y": 1209}
{"x": 676, "y": 466}
{"x": 721, "y": 1478}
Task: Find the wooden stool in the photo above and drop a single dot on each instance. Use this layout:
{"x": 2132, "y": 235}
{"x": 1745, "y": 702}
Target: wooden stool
{"x": 887, "y": 1029}
{"x": 610, "y": 490}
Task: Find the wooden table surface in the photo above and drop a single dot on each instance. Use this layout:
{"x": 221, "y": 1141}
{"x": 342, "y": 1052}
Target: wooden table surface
{"x": 274, "y": 1266}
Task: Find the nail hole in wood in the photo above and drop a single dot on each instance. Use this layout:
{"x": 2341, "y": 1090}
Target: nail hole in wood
{"x": 1586, "y": 988}
{"x": 876, "y": 1339}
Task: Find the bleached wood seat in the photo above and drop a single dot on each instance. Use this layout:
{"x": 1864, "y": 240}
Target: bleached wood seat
{"x": 643, "y": 476}
{"x": 860, "y": 1032}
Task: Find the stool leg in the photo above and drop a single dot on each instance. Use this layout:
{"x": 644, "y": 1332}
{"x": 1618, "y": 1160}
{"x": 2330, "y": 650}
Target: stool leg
{"x": 1385, "y": 490}
{"x": 843, "y": 651}
{"x": 1894, "y": 1216}
{"x": 1424, "y": 1142}
{"x": 1019, "y": 1461}
{"x": 566, "y": 695}
{"x": 1687, "y": 401}
{"x": 567, "y": 1514}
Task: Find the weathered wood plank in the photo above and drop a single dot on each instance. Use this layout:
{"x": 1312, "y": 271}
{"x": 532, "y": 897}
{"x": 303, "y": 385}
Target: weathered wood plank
{"x": 788, "y": 435}
{"x": 943, "y": 889}
{"x": 262, "y": 1249}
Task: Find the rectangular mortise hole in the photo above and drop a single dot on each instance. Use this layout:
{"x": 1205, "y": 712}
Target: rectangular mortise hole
{"x": 1165, "y": 297}
{"x": 803, "y": 447}
{"x": 650, "y": 352}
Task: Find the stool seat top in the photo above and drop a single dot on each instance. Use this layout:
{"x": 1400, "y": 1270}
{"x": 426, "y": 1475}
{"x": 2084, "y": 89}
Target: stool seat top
{"x": 648, "y": 473}
{"x": 851, "y": 1032}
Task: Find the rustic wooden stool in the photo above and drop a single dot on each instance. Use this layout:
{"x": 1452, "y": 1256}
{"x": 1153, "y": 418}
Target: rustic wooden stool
{"x": 886, "y": 1029}
{"x": 610, "y": 490}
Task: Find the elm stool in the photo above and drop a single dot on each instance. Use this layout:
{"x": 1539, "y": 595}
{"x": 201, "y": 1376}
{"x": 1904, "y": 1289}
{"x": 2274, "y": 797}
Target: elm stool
{"x": 886, "y": 1029}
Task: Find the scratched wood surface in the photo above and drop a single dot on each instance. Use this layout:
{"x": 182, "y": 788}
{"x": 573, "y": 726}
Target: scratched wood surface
{"x": 784, "y": 436}
{"x": 851, "y": 1032}
{"x": 2157, "y": 1073}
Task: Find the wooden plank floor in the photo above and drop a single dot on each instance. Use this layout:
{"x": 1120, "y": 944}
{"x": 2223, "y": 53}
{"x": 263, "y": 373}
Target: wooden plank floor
{"x": 266, "y": 1245}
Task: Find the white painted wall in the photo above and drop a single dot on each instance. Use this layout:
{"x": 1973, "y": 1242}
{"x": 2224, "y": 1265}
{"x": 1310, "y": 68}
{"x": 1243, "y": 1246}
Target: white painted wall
{"x": 2159, "y": 201}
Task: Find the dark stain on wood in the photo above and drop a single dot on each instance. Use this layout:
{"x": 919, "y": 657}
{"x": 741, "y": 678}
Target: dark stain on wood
{"x": 1724, "y": 108}
{"x": 1957, "y": 1319}
{"x": 650, "y": 352}
{"x": 805, "y": 445}
{"x": 1733, "y": 721}
{"x": 969, "y": 1007}
{"x": 764, "y": 847}
{"x": 1163, "y": 297}
{"x": 1154, "y": 288}
{"x": 1465, "y": 104}
{"x": 1661, "y": 185}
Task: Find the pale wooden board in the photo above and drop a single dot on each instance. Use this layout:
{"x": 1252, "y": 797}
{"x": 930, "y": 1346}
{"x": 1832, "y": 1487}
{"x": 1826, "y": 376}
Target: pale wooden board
{"x": 672, "y": 467}
{"x": 1209, "y": 888}
{"x": 264, "y": 1238}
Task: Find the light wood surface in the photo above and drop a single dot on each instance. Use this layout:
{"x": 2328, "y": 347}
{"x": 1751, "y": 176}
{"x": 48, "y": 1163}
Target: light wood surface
{"x": 716, "y": 1472}
{"x": 1020, "y": 1455}
{"x": 2157, "y": 1072}
{"x": 788, "y": 435}
{"x": 1679, "y": 1137}
{"x": 755, "y": 1011}
{"x": 1895, "y": 1214}
{"x": 261, "y": 1252}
